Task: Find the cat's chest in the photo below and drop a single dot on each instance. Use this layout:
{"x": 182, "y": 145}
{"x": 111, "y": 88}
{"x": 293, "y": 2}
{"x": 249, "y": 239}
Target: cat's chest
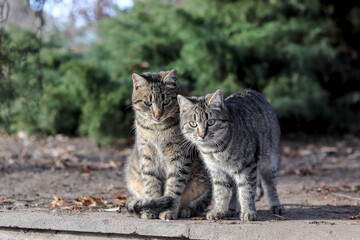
{"x": 227, "y": 161}
{"x": 162, "y": 146}
{"x": 217, "y": 158}
{"x": 161, "y": 155}
{"x": 215, "y": 163}
{"x": 161, "y": 138}
{"x": 160, "y": 135}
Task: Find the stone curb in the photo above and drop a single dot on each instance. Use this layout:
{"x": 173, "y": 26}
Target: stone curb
{"x": 98, "y": 223}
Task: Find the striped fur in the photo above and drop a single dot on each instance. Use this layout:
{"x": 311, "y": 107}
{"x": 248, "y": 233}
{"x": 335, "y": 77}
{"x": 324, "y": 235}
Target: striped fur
{"x": 239, "y": 140}
{"x": 164, "y": 176}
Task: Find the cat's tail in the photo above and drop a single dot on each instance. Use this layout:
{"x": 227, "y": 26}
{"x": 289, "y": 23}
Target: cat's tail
{"x": 150, "y": 206}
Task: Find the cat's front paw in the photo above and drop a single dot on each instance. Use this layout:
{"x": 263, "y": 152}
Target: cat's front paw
{"x": 277, "y": 209}
{"x": 248, "y": 216}
{"x": 215, "y": 215}
{"x": 168, "y": 215}
{"x": 148, "y": 215}
{"x": 185, "y": 212}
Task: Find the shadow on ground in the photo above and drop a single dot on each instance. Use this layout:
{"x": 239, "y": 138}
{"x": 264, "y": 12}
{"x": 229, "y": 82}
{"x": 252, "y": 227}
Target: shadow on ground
{"x": 312, "y": 212}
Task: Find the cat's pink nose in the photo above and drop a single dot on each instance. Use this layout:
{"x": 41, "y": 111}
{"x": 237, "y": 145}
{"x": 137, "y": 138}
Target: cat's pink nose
{"x": 202, "y": 136}
{"x": 158, "y": 116}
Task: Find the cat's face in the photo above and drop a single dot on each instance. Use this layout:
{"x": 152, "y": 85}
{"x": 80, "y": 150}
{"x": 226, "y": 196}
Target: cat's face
{"x": 154, "y": 95}
{"x": 203, "y": 120}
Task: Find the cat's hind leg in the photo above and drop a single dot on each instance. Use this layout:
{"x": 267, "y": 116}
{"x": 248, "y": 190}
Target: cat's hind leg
{"x": 259, "y": 189}
{"x": 196, "y": 206}
{"x": 197, "y": 195}
{"x": 138, "y": 203}
{"x": 269, "y": 175}
{"x": 146, "y": 208}
{"x": 134, "y": 184}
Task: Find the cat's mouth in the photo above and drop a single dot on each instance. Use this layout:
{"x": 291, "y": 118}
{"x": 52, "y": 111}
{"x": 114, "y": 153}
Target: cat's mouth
{"x": 202, "y": 140}
{"x": 161, "y": 119}
{"x": 157, "y": 121}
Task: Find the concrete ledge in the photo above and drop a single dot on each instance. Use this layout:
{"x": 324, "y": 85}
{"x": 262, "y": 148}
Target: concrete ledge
{"x": 45, "y": 225}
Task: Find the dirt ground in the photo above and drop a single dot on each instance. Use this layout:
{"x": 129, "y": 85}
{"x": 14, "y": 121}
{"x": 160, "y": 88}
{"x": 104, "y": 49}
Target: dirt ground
{"x": 319, "y": 177}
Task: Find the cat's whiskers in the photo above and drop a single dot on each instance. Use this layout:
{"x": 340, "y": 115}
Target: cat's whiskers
{"x": 188, "y": 147}
{"x": 219, "y": 144}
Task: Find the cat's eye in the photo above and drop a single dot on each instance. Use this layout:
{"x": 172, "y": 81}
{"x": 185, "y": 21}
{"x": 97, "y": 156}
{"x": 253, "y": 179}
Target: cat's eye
{"x": 210, "y": 122}
{"x": 193, "y": 124}
{"x": 166, "y": 102}
{"x": 148, "y": 104}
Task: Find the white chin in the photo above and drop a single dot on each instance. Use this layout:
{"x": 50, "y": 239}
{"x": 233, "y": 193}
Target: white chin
{"x": 201, "y": 141}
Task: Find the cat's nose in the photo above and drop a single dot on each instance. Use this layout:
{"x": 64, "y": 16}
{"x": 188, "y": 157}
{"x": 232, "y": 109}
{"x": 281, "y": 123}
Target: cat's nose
{"x": 201, "y": 132}
{"x": 158, "y": 115}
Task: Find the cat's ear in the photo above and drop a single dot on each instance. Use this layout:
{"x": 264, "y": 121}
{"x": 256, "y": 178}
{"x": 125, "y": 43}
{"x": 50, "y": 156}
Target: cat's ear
{"x": 184, "y": 103}
{"x": 215, "y": 99}
{"x": 138, "y": 81}
{"x": 170, "y": 76}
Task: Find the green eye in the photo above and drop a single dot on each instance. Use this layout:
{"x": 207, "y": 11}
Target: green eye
{"x": 166, "y": 102}
{"x": 211, "y": 122}
{"x": 148, "y": 104}
{"x": 193, "y": 124}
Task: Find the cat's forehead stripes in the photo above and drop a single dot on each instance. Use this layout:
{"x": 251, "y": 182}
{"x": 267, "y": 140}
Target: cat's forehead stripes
{"x": 156, "y": 92}
{"x": 201, "y": 112}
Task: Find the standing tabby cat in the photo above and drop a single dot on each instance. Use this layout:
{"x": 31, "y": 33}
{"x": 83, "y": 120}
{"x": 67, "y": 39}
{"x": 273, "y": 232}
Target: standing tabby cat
{"x": 161, "y": 176}
{"x": 239, "y": 138}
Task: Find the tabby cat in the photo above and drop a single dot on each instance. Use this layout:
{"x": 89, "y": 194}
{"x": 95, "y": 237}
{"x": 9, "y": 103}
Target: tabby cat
{"x": 239, "y": 139}
{"x": 165, "y": 178}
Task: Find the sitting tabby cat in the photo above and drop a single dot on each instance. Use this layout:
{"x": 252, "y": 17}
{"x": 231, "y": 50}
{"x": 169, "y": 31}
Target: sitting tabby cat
{"x": 239, "y": 138}
{"x": 161, "y": 176}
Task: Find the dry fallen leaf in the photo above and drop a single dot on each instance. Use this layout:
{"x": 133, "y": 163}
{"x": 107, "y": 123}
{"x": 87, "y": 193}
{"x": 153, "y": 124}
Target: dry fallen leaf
{"x": 197, "y": 218}
{"x": 354, "y": 217}
{"x": 85, "y": 170}
{"x": 86, "y": 202}
{"x": 57, "y": 202}
{"x": 116, "y": 164}
{"x": 121, "y": 198}
{"x": 112, "y": 164}
{"x": 8, "y": 200}
{"x": 78, "y": 202}
{"x": 89, "y": 202}
{"x": 290, "y": 153}
{"x": 97, "y": 204}
{"x": 310, "y": 170}
{"x": 95, "y": 199}
{"x": 60, "y": 163}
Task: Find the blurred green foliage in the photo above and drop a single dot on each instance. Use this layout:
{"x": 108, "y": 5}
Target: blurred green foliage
{"x": 295, "y": 52}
